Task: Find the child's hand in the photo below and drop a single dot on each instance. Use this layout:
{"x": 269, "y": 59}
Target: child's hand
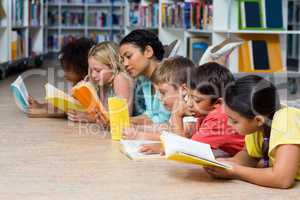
{"x": 130, "y": 133}
{"x": 152, "y": 149}
{"x": 99, "y": 117}
{"x": 33, "y": 104}
{"x": 221, "y": 173}
{"x": 77, "y": 116}
{"x": 180, "y": 108}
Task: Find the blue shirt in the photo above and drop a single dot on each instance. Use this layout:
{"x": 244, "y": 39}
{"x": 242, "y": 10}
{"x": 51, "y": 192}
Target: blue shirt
{"x": 149, "y": 104}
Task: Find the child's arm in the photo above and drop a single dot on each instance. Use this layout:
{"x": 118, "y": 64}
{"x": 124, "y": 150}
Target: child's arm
{"x": 42, "y": 110}
{"x": 123, "y": 87}
{"x": 281, "y": 175}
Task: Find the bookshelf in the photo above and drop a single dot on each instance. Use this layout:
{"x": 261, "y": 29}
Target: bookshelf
{"x": 69, "y": 19}
{"x": 21, "y": 34}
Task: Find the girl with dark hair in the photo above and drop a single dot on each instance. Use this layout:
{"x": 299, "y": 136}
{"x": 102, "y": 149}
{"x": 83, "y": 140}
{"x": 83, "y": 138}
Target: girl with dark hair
{"x": 142, "y": 52}
{"x": 271, "y": 156}
{"x": 74, "y": 60}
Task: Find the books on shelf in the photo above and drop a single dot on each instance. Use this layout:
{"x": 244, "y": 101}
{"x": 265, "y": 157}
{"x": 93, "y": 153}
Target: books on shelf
{"x": 260, "y": 53}
{"x": 61, "y": 100}
{"x": 260, "y": 14}
{"x": 197, "y": 47}
{"x": 20, "y": 93}
{"x": 71, "y": 18}
{"x": 131, "y": 148}
{"x": 187, "y": 15}
{"x": 87, "y": 96}
{"x": 53, "y": 41}
{"x": 53, "y": 17}
{"x": 18, "y": 45}
{"x": 143, "y": 15}
{"x": 34, "y": 12}
{"x": 118, "y": 116}
{"x": 185, "y": 150}
{"x": 98, "y": 18}
{"x": 17, "y": 12}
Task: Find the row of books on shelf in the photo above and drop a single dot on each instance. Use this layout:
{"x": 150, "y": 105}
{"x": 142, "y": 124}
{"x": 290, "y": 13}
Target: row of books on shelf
{"x": 187, "y": 15}
{"x": 54, "y": 40}
{"x": 72, "y": 18}
{"x": 143, "y": 15}
{"x": 82, "y": 1}
{"x": 35, "y": 12}
{"x": 18, "y": 12}
{"x": 18, "y": 45}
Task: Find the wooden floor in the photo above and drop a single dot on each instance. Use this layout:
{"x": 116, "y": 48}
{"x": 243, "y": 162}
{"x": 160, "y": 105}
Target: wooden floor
{"x": 56, "y": 159}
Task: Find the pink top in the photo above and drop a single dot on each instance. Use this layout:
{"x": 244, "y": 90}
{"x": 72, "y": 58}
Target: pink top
{"x": 214, "y": 130}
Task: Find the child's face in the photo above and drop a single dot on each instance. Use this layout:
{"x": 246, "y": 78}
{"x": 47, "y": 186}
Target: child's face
{"x": 135, "y": 61}
{"x": 199, "y": 104}
{"x": 241, "y": 124}
{"x": 99, "y": 72}
{"x": 168, "y": 95}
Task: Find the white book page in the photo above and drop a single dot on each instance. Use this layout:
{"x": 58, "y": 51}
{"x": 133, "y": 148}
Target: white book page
{"x": 174, "y": 143}
{"x": 52, "y": 91}
{"x": 132, "y": 147}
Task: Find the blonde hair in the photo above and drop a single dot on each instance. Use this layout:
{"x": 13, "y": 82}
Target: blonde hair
{"x": 108, "y": 54}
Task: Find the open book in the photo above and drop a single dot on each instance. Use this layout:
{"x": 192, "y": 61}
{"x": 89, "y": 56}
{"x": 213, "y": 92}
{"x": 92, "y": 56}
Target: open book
{"x": 20, "y": 93}
{"x": 185, "y": 150}
{"x": 61, "y": 100}
{"x": 86, "y": 94}
{"x": 118, "y": 116}
{"x": 131, "y": 148}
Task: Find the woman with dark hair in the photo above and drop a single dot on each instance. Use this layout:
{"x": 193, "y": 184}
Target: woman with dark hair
{"x": 142, "y": 52}
{"x": 271, "y": 156}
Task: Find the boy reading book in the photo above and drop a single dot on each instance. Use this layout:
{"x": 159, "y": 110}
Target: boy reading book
{"x": 204, "y": 100}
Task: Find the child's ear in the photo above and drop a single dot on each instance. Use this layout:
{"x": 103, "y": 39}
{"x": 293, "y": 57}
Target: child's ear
{"x": 183, "y": 89}
{"x": 148, "y": 51}
{"x": 217, "y": 103}
{"x": 260, "y": 120}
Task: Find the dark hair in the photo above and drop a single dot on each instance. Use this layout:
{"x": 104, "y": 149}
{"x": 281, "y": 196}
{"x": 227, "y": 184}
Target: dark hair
{"x": 173, "y": 70}
{"x": 210, "y": 79}
{"x": 74, "y": 56}
{"x": 142, "y": 38}
{"x": 253, "y": 95}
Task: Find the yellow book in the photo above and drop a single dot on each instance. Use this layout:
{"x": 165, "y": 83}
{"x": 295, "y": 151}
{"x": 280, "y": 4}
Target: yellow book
{"x": 118, "y": 116}
{"x": 181, "y": 149}
{"x": 61, "y": 100}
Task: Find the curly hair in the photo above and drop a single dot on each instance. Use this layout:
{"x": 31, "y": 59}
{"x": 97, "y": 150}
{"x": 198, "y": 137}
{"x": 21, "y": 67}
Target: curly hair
{"x": 74, "y": 56}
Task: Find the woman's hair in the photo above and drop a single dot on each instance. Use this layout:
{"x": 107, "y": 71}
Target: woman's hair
{"x": 143, "y": 38}
{"x": 108, "y": 54}
{"x": 252, "y": 95}
{"x": 173, "y": 70}
{"x": 210, "y": 79}
{"x": 74, "y": 56}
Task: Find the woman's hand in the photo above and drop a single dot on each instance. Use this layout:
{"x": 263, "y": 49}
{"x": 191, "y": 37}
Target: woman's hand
{"x": 34, "y": 104}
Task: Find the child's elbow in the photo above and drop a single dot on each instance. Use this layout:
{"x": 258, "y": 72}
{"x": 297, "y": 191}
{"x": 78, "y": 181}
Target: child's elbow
{"x": 285, "y": 183}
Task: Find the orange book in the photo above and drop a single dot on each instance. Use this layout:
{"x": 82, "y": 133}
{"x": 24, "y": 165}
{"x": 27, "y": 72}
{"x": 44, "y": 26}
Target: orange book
{"x": 86, "y": 94}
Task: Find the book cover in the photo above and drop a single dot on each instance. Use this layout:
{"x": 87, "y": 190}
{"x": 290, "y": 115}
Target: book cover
{"x": 20, "y": 94}
{"x": 260, "y": 55}
{"x": 252, "y": 14}
{"x": 184, "y": 150}
{"x": 87, "y": 96}
{"x": 118, "y": 116}
{"x": 131, "y": 148}
{"x": 61, "y": 100}
{"x": 273, "y": 12}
